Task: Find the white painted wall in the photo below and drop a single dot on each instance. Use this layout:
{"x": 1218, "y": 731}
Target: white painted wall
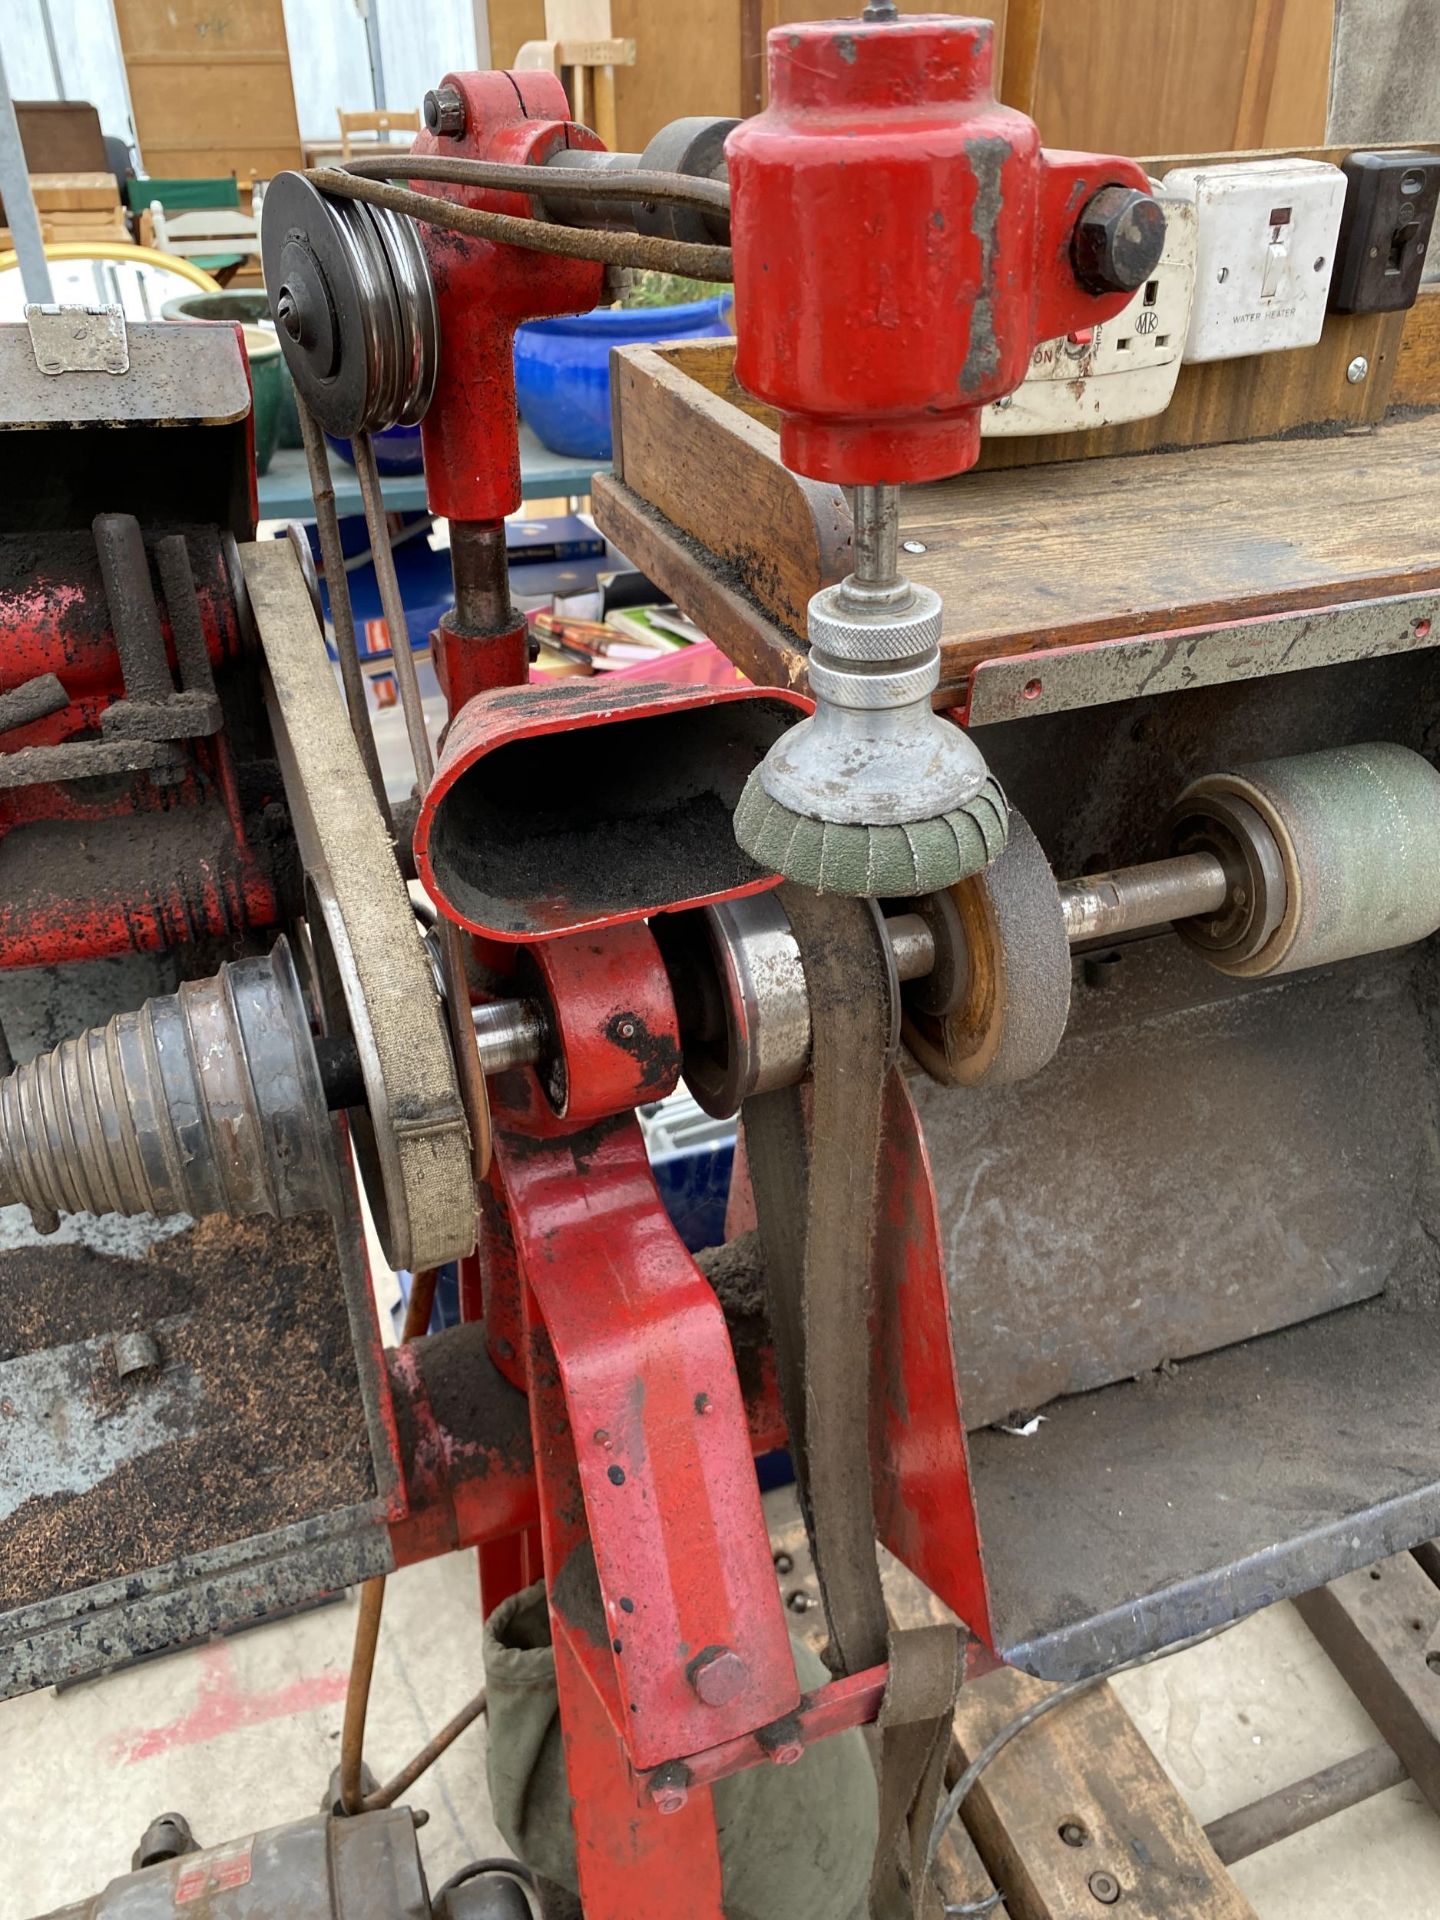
{"x": 420, "y": 40}
{"x": 88, "y": 51}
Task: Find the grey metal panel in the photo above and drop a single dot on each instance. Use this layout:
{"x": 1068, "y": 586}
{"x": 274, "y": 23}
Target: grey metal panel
{"x": 1060, "y": 679}
{"x": 1146, "y": 1512}
{"x": 1199, "y": 1163}
{"x": 178, "y": 376}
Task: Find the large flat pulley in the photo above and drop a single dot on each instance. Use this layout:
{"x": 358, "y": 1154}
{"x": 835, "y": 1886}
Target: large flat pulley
{"x": 995, "y": 1007}
{"x": 354, "y": 307}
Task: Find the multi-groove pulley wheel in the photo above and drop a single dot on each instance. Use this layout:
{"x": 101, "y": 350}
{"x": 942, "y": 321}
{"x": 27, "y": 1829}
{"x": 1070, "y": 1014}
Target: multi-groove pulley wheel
{"x": 354, "y": 306}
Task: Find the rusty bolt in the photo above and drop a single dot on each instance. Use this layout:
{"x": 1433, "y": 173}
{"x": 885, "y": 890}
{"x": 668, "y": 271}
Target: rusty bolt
{"x": 1117, "y": 241}
{"x": 717, "y": 1674}
{"x": 1105, "y": 1887}
{"x": 788, "y": 1754}
{"x": 445, "y": 111}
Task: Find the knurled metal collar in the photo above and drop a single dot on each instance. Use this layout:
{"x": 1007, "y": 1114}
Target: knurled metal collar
{"x": 869, "y": 691}
{"x": 846, "y": 631}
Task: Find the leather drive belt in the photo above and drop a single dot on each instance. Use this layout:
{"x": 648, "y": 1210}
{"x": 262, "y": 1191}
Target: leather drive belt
{"x": 816, "y": 1198}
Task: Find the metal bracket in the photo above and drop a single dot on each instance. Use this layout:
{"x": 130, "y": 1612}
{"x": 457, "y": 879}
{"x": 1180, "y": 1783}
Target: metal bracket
{"x": 1020, "y": 686}
{"x": 78, "y": 339}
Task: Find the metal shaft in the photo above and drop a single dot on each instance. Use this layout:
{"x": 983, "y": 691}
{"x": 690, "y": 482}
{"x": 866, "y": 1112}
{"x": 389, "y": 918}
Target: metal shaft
{"x": 1101, "y": 905}
{"x": 481, "y": 572}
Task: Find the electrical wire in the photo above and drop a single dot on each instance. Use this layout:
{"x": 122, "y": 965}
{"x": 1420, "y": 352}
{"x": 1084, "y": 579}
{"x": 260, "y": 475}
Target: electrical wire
{"x": 477, "y": 1867}
{"x": 960, "y": 1792}
{"x": 643, "y": 250}
{"x": 418, "y": 1310}
{"x": 626, "y": 184}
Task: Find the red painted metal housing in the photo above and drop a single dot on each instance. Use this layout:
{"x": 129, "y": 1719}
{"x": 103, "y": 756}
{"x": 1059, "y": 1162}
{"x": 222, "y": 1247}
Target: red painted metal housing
{"x": 582, "y": 805}
{"x": 901, "y": 244}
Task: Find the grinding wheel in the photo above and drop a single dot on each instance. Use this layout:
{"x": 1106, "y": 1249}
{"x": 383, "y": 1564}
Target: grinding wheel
{"x": 1013, "y": 995}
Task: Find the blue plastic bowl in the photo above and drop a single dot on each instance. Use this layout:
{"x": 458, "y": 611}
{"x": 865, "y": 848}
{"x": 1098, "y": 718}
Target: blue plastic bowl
{"x": 397, "y": 450}
{"x": 562, "y": 367}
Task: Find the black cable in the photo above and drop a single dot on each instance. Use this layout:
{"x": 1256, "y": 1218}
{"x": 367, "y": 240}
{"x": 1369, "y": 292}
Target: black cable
{"x": 514, "y": 1868}
{"x": 644, "y": 250}
{"x": 960, "y": 1792}
{"x": 555, "y": 183}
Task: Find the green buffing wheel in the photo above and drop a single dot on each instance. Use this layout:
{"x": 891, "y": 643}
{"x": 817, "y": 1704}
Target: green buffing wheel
{"x": 872, "y": 862}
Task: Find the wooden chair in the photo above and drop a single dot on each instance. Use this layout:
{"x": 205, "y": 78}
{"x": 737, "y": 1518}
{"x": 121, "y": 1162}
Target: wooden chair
{"x": 379, "y": 125}
{"x": 201, "y": 220}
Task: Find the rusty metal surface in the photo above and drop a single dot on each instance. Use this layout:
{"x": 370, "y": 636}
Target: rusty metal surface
{"x": 197, "y": 377}
{"x": 144, "y": 1513}
{"x": 1152, "y": 1510}
{"x": 1060, "y": 679}
{"x": 362, "y": 1868}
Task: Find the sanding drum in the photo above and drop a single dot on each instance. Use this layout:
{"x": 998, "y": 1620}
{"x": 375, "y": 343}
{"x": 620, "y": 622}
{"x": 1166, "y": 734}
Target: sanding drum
{"x": 1271, "y": 868}
{"x": 1337, "y": 854}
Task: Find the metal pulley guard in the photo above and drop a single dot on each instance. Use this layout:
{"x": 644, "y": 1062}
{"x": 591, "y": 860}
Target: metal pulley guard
{"x": 354, "y": 307}
{"x": 372, "y": 973}
{"x": 1008, "y": 990}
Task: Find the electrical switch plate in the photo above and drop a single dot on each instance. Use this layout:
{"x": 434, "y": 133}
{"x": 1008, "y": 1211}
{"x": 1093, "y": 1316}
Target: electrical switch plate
{"x": 1122, "y": 369}
{"x": 1390, "y": 201}
{"x": 1265, "y": 252}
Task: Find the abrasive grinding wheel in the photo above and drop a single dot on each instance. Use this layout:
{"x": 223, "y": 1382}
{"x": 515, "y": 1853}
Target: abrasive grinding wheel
{"x": 1010, "y": 997}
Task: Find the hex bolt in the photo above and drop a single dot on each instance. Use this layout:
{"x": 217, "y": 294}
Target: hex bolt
{"x": 287, "y": 314}
{"x": 1105, "y": 1887}
{"x": 670, "y": 1787}
{"x": 1118, "y": 240}
{"x": 718, "y": 1675}
{"x": 1074, "y": 1833}
{"x": 1357, "y": 369}
{"x": 445, "y": 111}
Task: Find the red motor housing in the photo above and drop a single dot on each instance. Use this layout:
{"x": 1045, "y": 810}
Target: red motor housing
{"x": 901, "y": 243}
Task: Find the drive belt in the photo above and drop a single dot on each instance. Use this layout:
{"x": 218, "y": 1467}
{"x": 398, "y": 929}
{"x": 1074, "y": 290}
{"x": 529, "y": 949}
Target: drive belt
{"x": 816, "y": 1198}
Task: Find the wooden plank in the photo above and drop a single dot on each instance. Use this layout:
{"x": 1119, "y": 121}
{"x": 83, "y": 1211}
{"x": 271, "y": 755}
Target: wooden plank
{"x": 74, "y": 192}
{"x": 1417, "y": 371}
{"x": 691, "y": 454}
{"x": 1085, "y": 1768}
{"x": 734, "y": 621}
{"x": 210, "y": 86}
{"x": 1286, "y": 84}
{"x": 1376, "y": 1627}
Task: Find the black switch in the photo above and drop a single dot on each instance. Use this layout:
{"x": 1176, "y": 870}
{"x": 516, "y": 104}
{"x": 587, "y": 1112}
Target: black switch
{"x": 1390, "y": 201}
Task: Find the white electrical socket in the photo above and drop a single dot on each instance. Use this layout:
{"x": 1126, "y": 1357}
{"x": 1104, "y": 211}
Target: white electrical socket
{"x": 1266, "y": 251}
{"x": 1122, "y": 369}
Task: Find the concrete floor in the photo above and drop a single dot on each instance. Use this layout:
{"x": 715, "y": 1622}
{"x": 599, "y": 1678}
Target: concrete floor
{"x": 244, "y": 1734}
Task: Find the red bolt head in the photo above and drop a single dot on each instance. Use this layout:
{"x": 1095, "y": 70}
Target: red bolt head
{"x": 669, "y": 1799}
{"x": 717, "y": 1675}
{"x": 788, "y": 1755}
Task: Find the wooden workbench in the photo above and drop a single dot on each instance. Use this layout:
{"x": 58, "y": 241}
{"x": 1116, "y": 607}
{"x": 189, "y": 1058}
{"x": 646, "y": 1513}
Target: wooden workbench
{"x": 1331, "y": 505}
